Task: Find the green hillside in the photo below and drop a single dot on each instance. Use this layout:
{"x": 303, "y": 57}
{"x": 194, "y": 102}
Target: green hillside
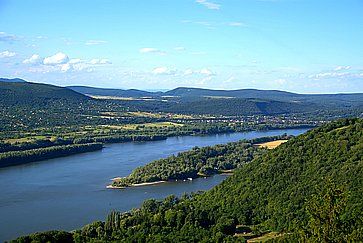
{"x": 198, "y": 162}
{"x": 238, "y": 107}
{"x": 113, "y": 92}
{"x": 273, "y": 189}
{"x": 25, "y": 92}
{"x": 308, "y": 188}
{"x": 187, "y": 94}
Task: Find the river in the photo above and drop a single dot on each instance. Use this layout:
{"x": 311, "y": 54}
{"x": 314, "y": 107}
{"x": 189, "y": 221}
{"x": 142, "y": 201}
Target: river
{"x": 67, "y": 193}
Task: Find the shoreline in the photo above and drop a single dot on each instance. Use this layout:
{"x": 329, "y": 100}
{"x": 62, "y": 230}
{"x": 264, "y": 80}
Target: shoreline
{"x": 146, "y": 140}
{"x": 136, "y": 185}
{"x": 224, "y": 172}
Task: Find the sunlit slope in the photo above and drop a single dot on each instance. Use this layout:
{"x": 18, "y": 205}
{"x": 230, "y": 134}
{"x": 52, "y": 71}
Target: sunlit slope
{"x": 272, "y": 190}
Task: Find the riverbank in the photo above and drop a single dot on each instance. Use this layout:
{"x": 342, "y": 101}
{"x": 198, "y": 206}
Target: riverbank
{"x": 135, "y": 185}
{"x": 199, "y": 175}
{"x": 6, "y": 156}
{"x": 46, "y": 195}
{"x": 23, "y": 157}
{"x": 199, "y": 162}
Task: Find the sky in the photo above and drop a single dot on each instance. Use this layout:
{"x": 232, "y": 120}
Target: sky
{"x": 304, "y": 46}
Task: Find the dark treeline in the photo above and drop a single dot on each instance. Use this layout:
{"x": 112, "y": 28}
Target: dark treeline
{"x": 198, "y": 162}
{"x": 308, "y": 189}
{"x": 55, "y": 138}
{"x": 26, "y": 156}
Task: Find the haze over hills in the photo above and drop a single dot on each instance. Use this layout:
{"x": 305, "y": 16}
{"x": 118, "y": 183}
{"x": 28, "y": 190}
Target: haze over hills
{"x": 114, "y": 92}
{"x": 188, "y": 93}
{"x": 189, "y": 100}
{"x": 193, "y": 93}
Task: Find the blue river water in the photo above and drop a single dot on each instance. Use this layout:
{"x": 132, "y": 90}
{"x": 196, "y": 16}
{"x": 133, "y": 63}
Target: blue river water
{"x": 67, "y": 193}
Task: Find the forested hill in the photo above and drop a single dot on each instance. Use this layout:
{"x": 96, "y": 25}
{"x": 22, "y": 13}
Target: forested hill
{"x": 308, "y": 189}
{"x": 25, "y": 92}
{"x": 240, "y": 93}
{"x": 189, "y": 101}
{"x": 276, "y": 190}
{"x": 196, "y": 94}
{"x": 113, "y": 92}
{"x": 238, "y": 107}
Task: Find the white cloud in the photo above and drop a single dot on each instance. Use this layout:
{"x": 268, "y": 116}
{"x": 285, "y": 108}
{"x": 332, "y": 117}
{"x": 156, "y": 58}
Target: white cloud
{"x": 236, "y": 24}
{"x": 41, "y": 37}
{"x": 4, "y": 37}
{"x": 337, "y": 74}
{"x": 188, "y": 72}
{"x": 7, "y": 54}
{"x": 206, "y": 71}
{"x": 100, "y": 61}
{"x": 60, "y": 62}
{"x": 198, "y": 53}
{"x": 59, "y": 58}
{"x": 214, "y": 25}
{"x": 75, "y": 61}
{"x": 179, "y": 48}
{"x": 152, "y": 50}
{"x": 203, "y": 71}
{"x": 340, "y": 68}
{"x": 163, "y": 71}
{"x": 65, "y": 67}
{"x": 231, "y": 79}
{"x": 95, "y": 42}
{"x": 209, "y": 5}
{"x": 34, "y": 59}
{"x": 280, "y": 81}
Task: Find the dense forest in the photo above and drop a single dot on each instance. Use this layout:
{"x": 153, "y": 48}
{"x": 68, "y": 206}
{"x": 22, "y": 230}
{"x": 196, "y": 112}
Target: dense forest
{"x": 47, "y": 118}
{"x": 31, "y": 155}
{"x": 308, "y": 189}
{"x": 189, "y": 94}
{"x": 25, "y": 105}
{"x": 198, "y": 162}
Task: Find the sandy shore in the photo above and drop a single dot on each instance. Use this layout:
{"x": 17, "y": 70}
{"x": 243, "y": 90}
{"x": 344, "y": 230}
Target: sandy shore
{"x": 115, "y": 187}
{"x": 135, "y": 185}
{"x": 148, "y": 183}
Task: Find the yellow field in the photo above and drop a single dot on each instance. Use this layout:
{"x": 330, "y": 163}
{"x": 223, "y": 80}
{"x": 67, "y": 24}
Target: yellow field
{"x": 143, "y": 114}
{"x": 272, "y": 144}
{"x": 154, "y": 124}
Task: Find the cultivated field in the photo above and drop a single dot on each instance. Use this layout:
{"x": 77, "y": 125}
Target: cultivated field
{"x": 272, "y": 144}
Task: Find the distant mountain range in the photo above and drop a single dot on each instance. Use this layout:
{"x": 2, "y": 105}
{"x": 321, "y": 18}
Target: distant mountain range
{"x": 192, "y": 94}
{"x": 135, "y": 93}
{"x": 188, "y": 100}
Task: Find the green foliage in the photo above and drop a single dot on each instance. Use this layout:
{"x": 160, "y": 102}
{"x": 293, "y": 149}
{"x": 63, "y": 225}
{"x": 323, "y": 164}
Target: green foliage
{"x": 197, "y": 162}
{"x": 50, "y": 236}
{"x": 21, "y": 157}
{"x": 326, "y": 223}
{"x": 284, "y": 190}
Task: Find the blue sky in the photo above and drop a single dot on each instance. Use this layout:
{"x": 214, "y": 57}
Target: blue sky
{"x": 305, "y": 46}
